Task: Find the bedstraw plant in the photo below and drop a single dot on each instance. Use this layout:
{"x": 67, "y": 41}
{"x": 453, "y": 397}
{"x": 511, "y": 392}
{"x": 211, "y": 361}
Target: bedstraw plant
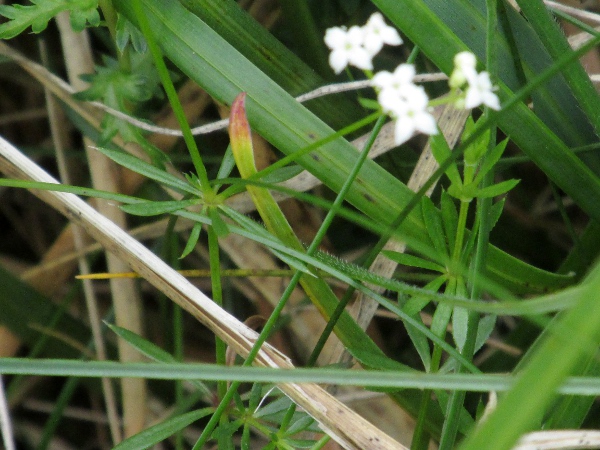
{"x": 430, "y": 256}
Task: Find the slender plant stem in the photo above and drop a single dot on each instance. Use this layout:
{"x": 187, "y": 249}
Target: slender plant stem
{"x": 167, "y": 83}
{"x": 217, "y": 294}
{"x": 450, "y": 428}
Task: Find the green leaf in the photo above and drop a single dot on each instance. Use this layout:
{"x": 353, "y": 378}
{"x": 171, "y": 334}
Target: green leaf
{"x": 478, "y": 147}
{"x": 148, "y": 170}
{"x": 441, "y": 152}
{"x": 218, "y": 223}
{"x": 413, "y": 261}
{"x": 154, "y": 208}
{"x": 40, "y": 12}
{"x": 192, "y": 240}
{"x": 255, "y": 396}
{"x": 299, "y": 425}
{"x": 496, "y": 212}
{"x": 142, "y": 345}
{"x": 490, "y": 161}
{"x": 77, "y": 190}
{"x": 449, "y": 219}
{"x": 299, "y": 443}
{"x": 283, "y": 174}
{"x": 460, "y": 319}
{"x": 152, "y": 351}
{"x": 435, "y": 228}
{"x": 160, "y": 432}
{"x": 126, "y": 33}
{"x": 227, "y": 164}
{"x": 496, "y": 189}
{"x": 485, "y": 328}
{"x": 420, "y": 342}
{"x": 416, "y": 303}
{"x": 81, "y": 17}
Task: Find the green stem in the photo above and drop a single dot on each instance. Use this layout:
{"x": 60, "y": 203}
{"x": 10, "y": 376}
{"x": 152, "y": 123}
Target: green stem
{"x": 484, "y": 205}
{"x": 217, "y": 295}
{"x": 110, "y": 16}
{"x": 167, "y": 83}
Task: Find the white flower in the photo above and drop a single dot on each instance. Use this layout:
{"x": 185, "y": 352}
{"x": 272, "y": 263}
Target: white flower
{"x": 480, "y": 92}
{"x": 377, "y": 33}
{"x": 408, "y": 106}
{"x": 464, "y": 69}
{"x": 402, "y": 76}
{"x": 479, "y": 89}
{"x": 347, "y": 48}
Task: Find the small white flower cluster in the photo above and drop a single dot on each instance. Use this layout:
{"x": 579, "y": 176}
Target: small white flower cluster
{"x": 404, "y": 101}
{"x": 479, "y": 87}
{"x": 358, "y": 45}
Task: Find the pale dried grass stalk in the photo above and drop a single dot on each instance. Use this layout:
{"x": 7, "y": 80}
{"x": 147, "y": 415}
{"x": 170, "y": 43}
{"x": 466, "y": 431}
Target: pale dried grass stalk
{"x": 344, "y": 425}
{"x": 106, "y": 176}
{"x": 8, "y": 438}
{"x": 58, "y": 134}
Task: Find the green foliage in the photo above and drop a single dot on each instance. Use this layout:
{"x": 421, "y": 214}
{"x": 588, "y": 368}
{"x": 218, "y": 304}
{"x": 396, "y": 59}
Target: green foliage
{"x": 216, "y": 44}
{"x": 40, "y": 12}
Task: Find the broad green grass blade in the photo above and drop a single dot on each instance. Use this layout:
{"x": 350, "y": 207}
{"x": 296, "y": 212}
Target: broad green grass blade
{"x": 272, "y": 58}
{"x": 224, "y": 72}
{"x": 556, "y": 44}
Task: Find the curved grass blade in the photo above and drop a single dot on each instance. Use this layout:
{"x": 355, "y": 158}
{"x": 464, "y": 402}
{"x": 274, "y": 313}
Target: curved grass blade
{"x": 223, "y": 72}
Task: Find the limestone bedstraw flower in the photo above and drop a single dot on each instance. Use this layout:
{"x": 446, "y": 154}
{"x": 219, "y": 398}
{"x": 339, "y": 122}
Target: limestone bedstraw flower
{"x": 480, "y": 92}
{"x": 408, "y": 107}
{"x": 402, "y": 76}
{"x": 377, "y": 33}
{"x": 479, "y": 88}
{"x": 464, "y": 69}
{"x": 347, "y": 48}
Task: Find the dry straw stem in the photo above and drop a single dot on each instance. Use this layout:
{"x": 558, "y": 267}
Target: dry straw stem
{"x": 106, "y": 176}
{"x": 559, "y": 439}
{"x": 59, "y": 129}
{"x": 344, "y": 425}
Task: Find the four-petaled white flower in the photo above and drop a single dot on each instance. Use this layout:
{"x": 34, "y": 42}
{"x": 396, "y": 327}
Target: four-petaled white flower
{"x": 479, "y": 88}
{"x": 480, "y": 92}
{"x": 408, "y": 106}
{"x": 378, "y": 33}
{"x": 402, "y": 76}
{"x": 347, "y": 48}
{"x": 358, "y": 45}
